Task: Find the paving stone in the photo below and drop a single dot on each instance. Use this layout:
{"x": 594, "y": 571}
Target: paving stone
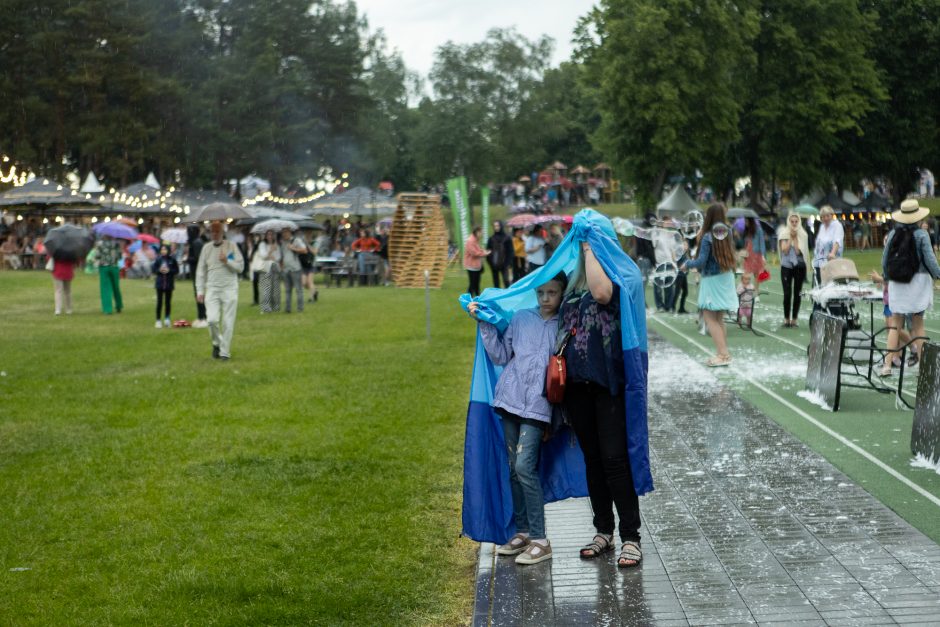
{"x": 746, "y": 526}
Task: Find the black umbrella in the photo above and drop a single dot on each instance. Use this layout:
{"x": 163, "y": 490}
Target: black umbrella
{"x": 68, "y": 242}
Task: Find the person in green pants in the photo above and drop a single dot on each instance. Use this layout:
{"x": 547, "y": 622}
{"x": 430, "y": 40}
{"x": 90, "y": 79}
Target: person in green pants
{"x": 109, "y": 274}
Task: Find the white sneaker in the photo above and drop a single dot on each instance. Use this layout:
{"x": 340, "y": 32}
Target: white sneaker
{"x": 167, "y": 323}
{"x": 158, "y": 325}
{"x": 200, "y": 324}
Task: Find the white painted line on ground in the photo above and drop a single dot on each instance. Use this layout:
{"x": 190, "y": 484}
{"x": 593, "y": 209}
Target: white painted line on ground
{"x": 827, "y": 430}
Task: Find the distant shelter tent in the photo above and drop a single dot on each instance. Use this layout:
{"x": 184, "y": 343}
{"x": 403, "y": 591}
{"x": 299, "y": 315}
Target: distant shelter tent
{"x": 355, "y": 201}
{"x": 677, "y": 203}
{"x": 834, "y": 200}
{"x": 91, "y": 185}
{"x": 44, "y": 197}
{"x": 874, "y": 203}
{"x": 418, "y": 241}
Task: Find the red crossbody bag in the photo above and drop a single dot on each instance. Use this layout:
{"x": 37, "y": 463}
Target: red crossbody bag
{"x": 557, "y": 372}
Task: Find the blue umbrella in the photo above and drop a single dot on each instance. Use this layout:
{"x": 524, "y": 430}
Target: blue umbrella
{"x": 115, "y": 229}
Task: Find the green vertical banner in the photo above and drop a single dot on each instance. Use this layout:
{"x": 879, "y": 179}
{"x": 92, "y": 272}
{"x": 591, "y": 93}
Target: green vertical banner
{"x": 460, "y": 205}
{"x": 485, "y": 204}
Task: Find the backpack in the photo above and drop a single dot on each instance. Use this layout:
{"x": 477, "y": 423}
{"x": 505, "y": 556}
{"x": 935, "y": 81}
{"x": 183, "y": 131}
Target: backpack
{"x": 903, "y": 261}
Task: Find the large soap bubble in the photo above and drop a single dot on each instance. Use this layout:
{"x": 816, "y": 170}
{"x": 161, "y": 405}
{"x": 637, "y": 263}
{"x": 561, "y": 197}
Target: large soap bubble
{"x": 664, "y": 275}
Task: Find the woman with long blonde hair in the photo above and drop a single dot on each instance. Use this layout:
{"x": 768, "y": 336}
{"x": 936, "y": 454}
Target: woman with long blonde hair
{"x": 795, "y": 258}
{"x": 714, "y": 259}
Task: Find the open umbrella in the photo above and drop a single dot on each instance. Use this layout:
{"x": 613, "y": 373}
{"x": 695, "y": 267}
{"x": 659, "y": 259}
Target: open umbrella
{"x": 218, "y": 211}
{"x": 523, "y": 219}
{"x": 548, "y": 218}
{"x": 806, "y": 210}
{"x": 273, "y": 225}
{"x": 115, "y": 229}
{"x": 68, "y": 242}
{"x": 742, "y": 212}
{"x": 150, "y": 239}
{"x": 175, "y": 235}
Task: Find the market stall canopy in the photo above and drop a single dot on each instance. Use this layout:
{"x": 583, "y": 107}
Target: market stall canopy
{"x": 261, "y": 213}
{"x": 580, "y": 170}
{"x": 677, "y": 202}
{"x": 874, "y": 202}
{"x": 42, "y": 192}
{"x": 136, "y": 198}
{"x": 355, "y": 201}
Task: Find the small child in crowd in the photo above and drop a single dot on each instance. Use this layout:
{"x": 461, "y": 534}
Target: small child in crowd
{"x": 524, "y": 349}
{"x": 165, "y": 268}
{"x": 746, "y": 299}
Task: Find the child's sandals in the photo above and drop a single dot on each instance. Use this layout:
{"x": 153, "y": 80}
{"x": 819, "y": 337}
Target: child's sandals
{"x": 630, "y": 555}
{"x": 598, "y": 546}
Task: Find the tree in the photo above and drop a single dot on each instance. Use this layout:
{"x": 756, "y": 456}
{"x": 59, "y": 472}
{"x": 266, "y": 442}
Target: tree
{"x": 480, "y": 90}
{"x": 812, "y": 82}
{"x": 669, "y": 88}
{"x": 901, "y": 132}
{"x": 387, "y": 153}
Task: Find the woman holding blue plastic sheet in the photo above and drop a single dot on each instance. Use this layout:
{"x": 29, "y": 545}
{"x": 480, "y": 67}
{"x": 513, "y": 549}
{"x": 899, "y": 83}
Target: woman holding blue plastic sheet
{"x": 594, "y": 400}
{"x": 620, "y": 346}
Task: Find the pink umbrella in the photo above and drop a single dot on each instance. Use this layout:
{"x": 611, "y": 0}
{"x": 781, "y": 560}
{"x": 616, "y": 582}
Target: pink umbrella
{"x": 523, "y": 219}
{"x": 149, "y": 239}
{"x": 568, "y": 219}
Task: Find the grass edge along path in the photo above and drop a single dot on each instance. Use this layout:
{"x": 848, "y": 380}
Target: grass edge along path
{"x": 913, "y": 496}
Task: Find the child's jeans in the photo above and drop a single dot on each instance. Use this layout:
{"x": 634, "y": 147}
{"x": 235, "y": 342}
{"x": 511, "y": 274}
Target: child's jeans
{"x": 523, "y": 441}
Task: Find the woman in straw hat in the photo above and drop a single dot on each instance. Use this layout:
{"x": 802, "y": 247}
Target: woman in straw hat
{"x": 914, "y": 296}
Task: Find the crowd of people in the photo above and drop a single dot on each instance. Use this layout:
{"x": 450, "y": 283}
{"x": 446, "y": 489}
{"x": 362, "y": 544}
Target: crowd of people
{"x": 287, "y": 257}
{"x": 510, "y": 256}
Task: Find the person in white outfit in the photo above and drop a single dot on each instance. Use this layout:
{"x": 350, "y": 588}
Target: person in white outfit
{"x": 217, "y": 272}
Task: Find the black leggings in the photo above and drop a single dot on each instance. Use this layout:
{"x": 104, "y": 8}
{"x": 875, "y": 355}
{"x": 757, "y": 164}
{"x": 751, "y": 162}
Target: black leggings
{"x": 793, "y": 279}
{"x": 682, "y": 290}
{"x": 474, "y": 287}
{"x": 599, "y": 422}
{"x": 164, "y": 297}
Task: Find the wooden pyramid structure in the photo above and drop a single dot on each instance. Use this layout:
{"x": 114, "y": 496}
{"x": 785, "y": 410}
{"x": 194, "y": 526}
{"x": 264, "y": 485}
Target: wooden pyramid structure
{"x": 418, "y": 241}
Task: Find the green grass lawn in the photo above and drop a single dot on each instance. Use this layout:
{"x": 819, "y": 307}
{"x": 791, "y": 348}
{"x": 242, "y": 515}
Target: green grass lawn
{"x": 314, "y": 478}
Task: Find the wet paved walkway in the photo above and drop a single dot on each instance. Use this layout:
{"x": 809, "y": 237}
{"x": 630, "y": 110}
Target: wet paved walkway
{"x": 746, "y": 526}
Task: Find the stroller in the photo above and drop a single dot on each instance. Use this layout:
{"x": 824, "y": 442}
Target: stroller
{"x": 832, "y": 297}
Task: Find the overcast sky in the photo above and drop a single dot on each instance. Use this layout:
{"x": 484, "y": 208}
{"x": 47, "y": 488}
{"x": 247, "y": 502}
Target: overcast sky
{"x": 417, "y": 27}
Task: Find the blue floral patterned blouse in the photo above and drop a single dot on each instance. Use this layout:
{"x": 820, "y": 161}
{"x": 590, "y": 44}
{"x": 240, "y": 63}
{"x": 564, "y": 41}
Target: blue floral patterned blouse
{"x": 594, "y": 353}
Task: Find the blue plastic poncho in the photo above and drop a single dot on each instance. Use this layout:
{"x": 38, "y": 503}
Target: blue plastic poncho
{"x": 487, "y": 499}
